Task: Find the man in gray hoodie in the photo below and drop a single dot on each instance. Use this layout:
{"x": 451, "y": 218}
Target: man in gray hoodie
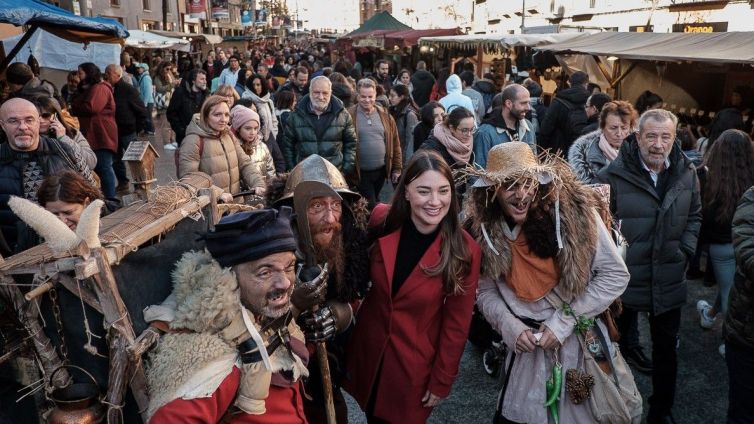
{"x": 467, "y": 80}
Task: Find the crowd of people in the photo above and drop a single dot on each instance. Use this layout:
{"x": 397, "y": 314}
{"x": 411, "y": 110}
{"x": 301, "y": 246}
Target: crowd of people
{"x": 559, "y": 225}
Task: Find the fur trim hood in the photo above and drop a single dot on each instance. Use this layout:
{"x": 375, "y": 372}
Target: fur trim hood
{"x": 566, "y": 197}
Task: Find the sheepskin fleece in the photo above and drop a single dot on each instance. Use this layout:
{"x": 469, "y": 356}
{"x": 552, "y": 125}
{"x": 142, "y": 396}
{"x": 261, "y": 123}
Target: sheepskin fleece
{"x": 578, "y": 222}
{"x": 175, "y": 359}
{"x": 206, "y": 294}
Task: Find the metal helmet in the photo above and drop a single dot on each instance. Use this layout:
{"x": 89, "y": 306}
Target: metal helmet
{"x": 317, "y": 175}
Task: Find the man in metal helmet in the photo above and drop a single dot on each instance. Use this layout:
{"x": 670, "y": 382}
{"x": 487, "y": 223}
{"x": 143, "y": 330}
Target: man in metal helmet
{"x": 330, "y": 220}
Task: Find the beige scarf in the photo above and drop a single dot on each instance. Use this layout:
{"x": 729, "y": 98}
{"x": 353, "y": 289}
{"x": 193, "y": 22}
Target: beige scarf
{"x": 610, "y": 152}
{"x": 457, "y": 149}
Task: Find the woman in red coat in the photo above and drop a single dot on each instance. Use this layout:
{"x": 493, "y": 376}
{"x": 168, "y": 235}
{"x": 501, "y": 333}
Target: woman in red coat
{"x": 412, "y": 326}
{"x": 94, "y": 105}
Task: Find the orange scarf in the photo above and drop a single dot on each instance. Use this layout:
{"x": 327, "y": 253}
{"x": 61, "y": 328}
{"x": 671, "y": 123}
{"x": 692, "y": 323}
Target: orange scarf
{"x": 531, "y": 277}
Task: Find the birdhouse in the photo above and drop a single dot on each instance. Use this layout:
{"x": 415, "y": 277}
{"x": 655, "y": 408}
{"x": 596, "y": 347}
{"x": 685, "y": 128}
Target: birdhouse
{"x": 140, "y": 157}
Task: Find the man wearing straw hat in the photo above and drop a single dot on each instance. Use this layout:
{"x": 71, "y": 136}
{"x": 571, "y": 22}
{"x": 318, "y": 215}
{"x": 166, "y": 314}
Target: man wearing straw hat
{"x": 548, "y": 264}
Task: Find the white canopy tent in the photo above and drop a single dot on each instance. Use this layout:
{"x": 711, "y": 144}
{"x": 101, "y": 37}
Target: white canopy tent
{"x": 148, "y": 40}
{"x": 54, "y": 52}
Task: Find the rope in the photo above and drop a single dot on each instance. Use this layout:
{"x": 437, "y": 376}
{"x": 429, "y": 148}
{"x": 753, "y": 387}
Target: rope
{"x": 112, "y": 406}
{"x": 89, "y": 334}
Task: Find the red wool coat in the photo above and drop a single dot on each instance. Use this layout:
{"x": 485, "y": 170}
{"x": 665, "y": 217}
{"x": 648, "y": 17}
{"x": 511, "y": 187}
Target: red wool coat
{"x": 418, "y": 335}
{"x": 95, "y": 109}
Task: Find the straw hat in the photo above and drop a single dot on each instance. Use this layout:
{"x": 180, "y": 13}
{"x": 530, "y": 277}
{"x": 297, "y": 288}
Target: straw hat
{"x": 511, "y": 161}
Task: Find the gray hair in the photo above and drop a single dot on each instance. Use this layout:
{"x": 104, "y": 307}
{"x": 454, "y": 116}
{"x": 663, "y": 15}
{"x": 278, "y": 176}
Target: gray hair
{"x": 321, "y": 78}
{"x": 366, "y": 83}
{"x": 657, "y": 115}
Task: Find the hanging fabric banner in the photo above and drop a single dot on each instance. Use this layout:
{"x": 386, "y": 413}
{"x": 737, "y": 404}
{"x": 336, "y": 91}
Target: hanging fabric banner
{"x": 247, "y": 18}
{"x": 197, "y": 9}
{"x": 220, "y": 9}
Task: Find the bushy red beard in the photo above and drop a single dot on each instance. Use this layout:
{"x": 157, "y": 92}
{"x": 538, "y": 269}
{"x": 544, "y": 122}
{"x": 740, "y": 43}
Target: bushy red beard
{"x": 332, "y": 253}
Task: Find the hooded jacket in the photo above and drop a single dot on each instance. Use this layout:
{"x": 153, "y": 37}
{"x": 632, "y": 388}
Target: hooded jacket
{"x": 422, "y": 80}
{"x": 492, "y": 132}
{"x": 144, "y": 84}
{"x": 661, "y": 231}
{"x": 220, "y": 156}
{"x": 331, "y": 135}
{"x": 266, "y": 109}
{"x": 555, "y": 129}
{"x": 454, "y": 98}
{"x": 35, "y": 89}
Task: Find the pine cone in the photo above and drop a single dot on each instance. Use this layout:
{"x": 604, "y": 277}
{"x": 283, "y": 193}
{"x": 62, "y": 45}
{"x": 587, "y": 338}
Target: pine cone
{"x": 578, "y": 385}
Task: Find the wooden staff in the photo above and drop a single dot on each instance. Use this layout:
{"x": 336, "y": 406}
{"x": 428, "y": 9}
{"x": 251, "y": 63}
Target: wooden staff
{"x": 324, "y": 369}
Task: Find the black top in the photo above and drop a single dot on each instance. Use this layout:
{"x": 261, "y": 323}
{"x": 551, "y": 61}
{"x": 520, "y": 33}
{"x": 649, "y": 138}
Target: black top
{"x": 411, "y": 248}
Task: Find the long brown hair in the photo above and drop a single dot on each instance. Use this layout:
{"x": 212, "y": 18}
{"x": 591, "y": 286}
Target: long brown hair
{"x": 455, "y": 258}
{"x": 729, "y": 173}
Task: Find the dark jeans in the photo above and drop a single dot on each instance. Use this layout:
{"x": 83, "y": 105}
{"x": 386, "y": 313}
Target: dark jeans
{"x": 740, "y": 363}
{"x": 664, "y": 331}
{"x": 105, "y": 172}
{"x": 118, "y": 165}
{"x": 628, "y": 325}
{"x": 370, "y": 185}
{"x": 148, "y": 123}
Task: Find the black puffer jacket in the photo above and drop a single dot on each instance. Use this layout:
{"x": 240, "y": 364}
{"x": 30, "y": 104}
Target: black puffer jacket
{"x": 130, "y": 113}
{"x": 184, "y": 103}
{"x": 739, "y": 323}
{"x": 422, "y": 80}
{"x": 661, "y": 232}
{"x": 331, "y": 135}
{"x": 555, "y": 129}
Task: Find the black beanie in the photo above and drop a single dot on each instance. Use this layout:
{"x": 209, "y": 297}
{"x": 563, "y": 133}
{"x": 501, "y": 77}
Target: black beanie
{"x": 248, "y": 236}
{"x": 18, "y": 73}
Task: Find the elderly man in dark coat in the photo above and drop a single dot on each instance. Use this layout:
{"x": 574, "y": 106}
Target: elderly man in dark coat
{"x": 655, "y": 194}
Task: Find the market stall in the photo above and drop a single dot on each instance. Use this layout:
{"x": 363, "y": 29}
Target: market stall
{"x": 37, "y": 14}
{"x": 200, "y": 43}
{"x": 494, "y": 53}
{"x": 147, "y": 40}
{"x": 57, "y": 56}
{"x": 693, "y": 72}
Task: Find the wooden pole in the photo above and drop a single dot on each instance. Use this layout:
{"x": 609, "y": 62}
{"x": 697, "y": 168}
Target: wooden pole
{"x": 121, "y": 336}
{"x": 17, "y": 48}
{"x": 28, "y": 316}
{"x": 324, "y": 369}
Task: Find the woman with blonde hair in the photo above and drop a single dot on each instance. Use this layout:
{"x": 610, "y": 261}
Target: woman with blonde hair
{"x": 229, "y": 94}
{"x": 210, "y": 147}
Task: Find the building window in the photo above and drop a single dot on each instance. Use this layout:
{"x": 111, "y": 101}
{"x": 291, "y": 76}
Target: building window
{"x": 145, "y": 3}
{"x": 114, "y": 2}
{"x": 592, "y": 4}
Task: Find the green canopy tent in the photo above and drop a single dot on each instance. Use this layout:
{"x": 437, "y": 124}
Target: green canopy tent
{"x": 380, "y": 21}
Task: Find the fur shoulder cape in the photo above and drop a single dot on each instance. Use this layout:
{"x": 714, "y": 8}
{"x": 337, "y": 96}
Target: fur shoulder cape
{"x": 578, "y": 229}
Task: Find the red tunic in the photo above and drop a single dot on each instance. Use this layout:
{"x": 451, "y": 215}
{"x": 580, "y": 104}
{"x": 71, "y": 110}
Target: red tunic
{"x": 284, "y": 406}
{"x": 418, "y": 336}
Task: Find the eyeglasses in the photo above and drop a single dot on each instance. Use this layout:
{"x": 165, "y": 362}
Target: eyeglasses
{"x": 319, "y": 206}
{"x": 46, "y": 115}
{"x": 13, "y": 122}
{"x": 466, "y": 131}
